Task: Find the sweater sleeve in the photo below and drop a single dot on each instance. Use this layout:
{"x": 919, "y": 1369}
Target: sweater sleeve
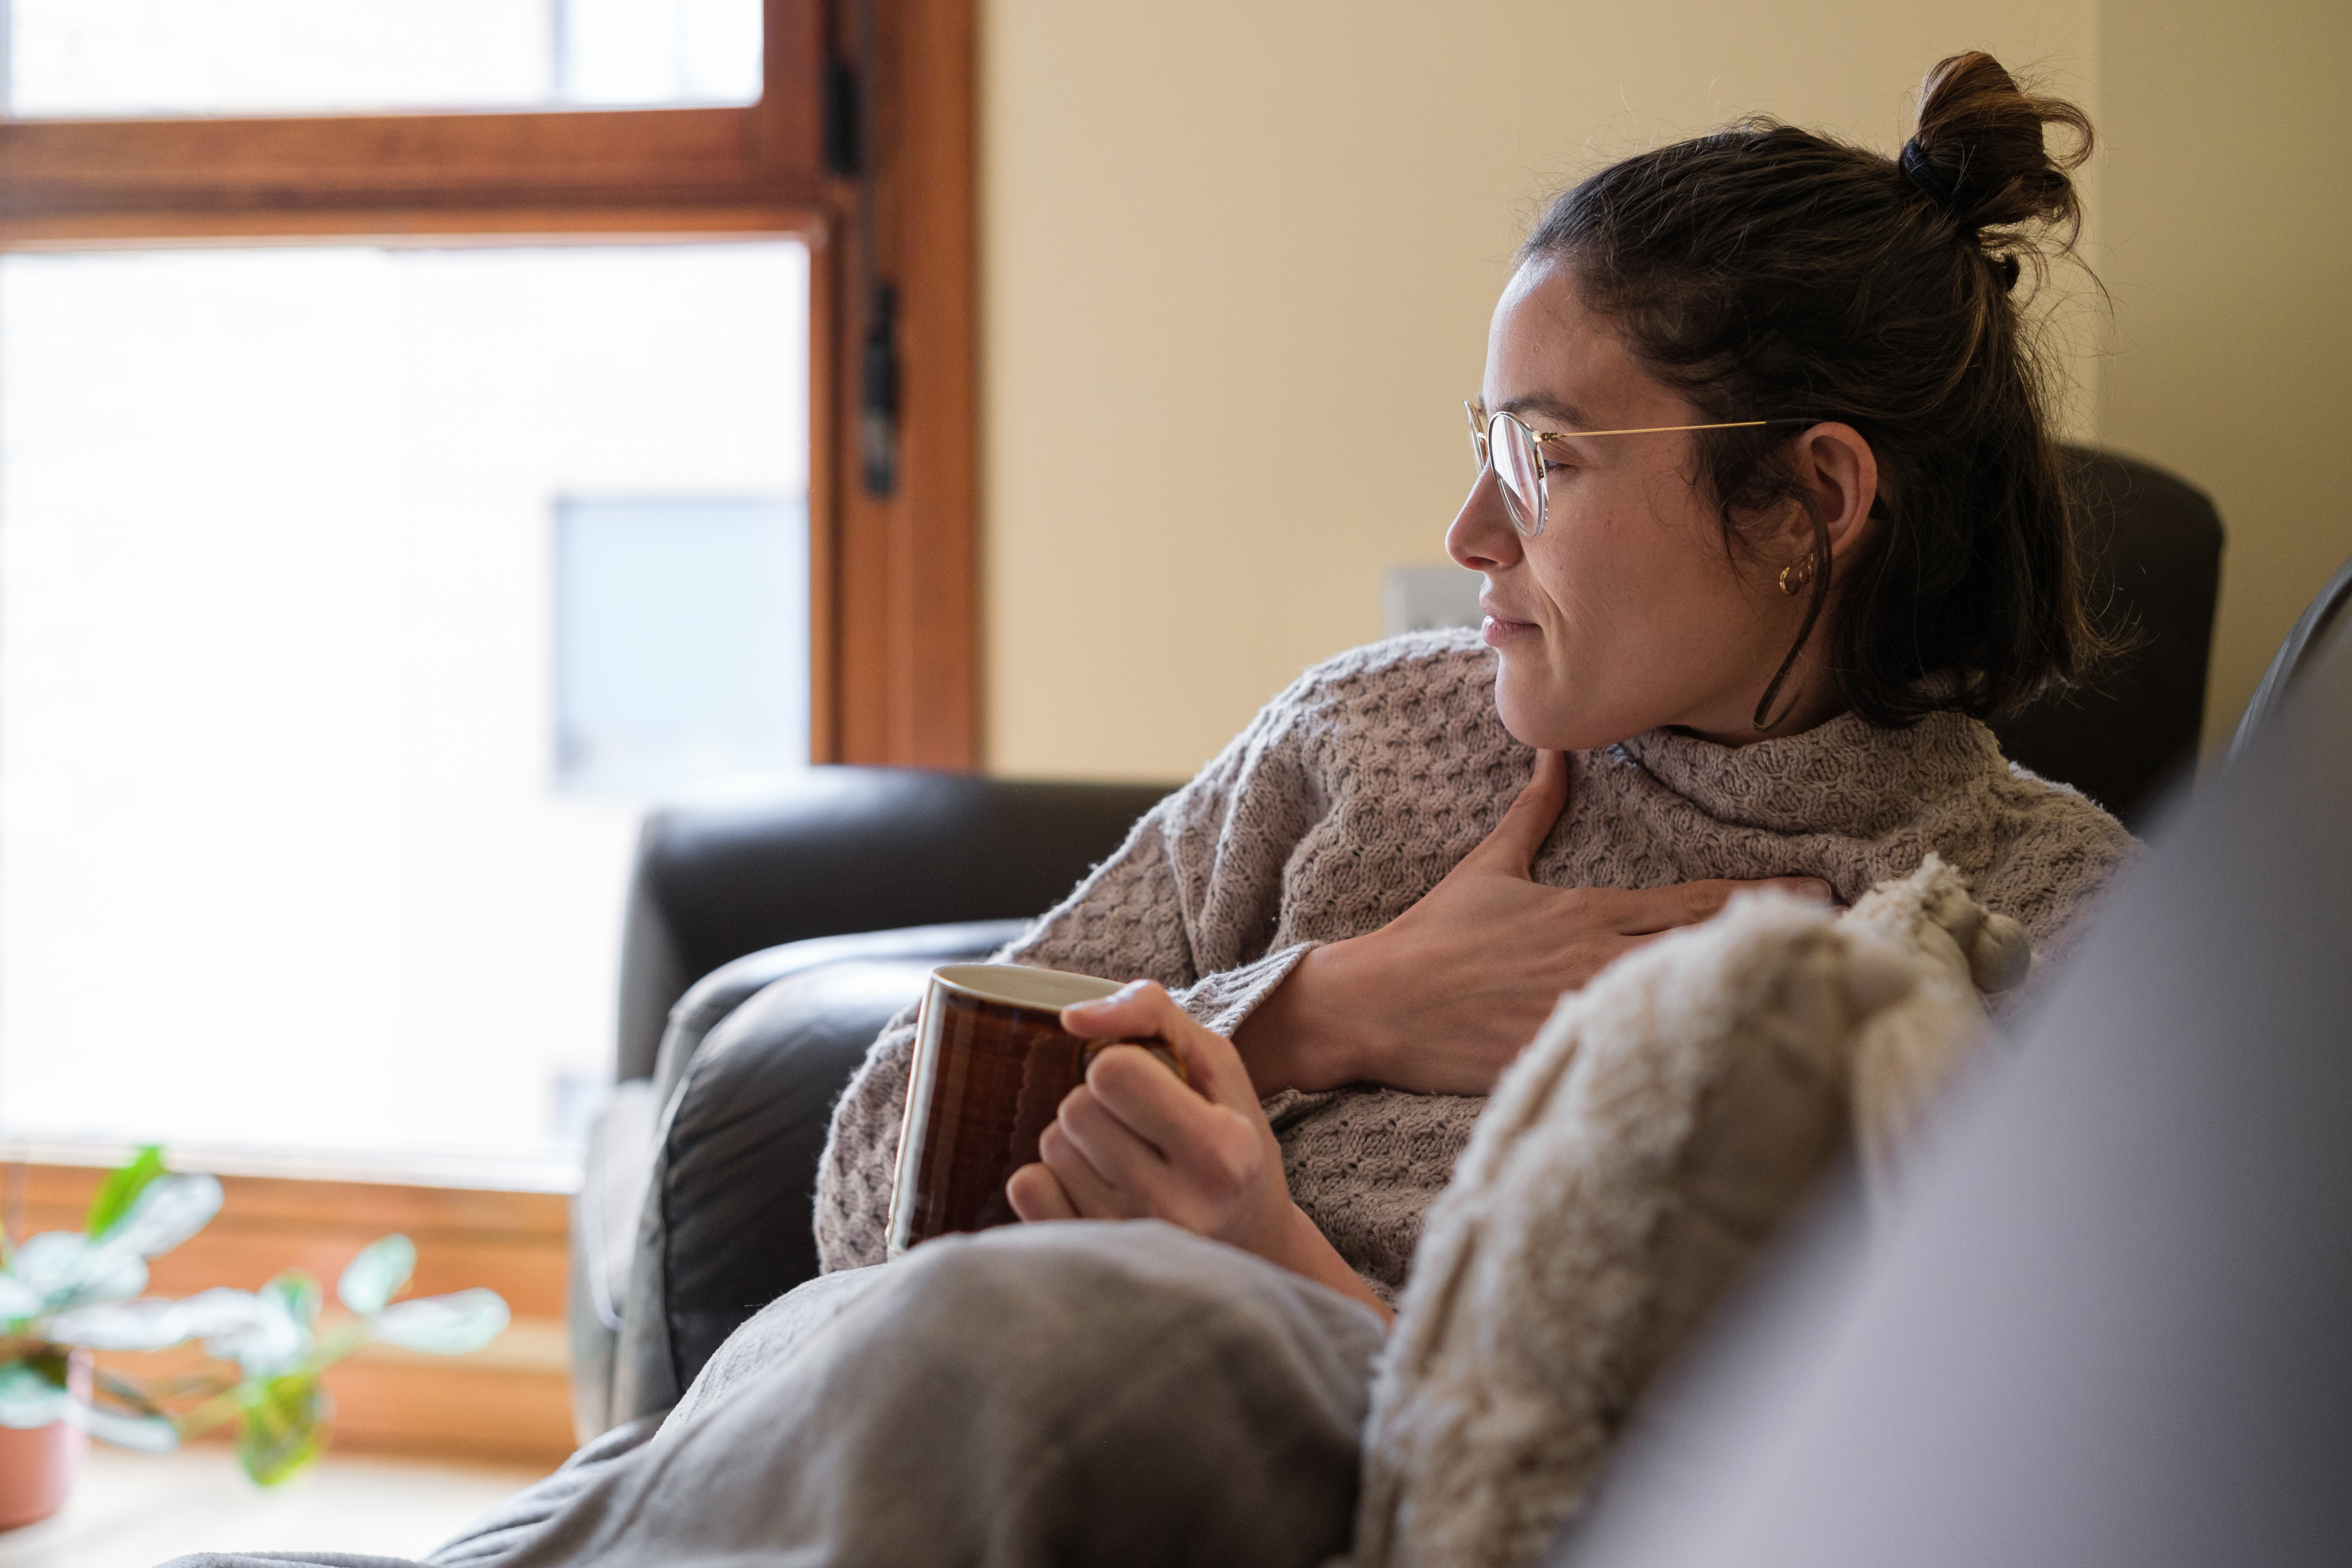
{"x": 1191, "y": 899}
{"x": 2058, "y": 854}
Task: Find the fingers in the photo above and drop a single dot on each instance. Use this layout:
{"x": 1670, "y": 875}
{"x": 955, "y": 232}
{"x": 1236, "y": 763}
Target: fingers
{"x": 1144, "y": 1011}
{"x": 1136, "y": 1141}
{"x": 1134, "y": 1138}
{"x": 1645, "y": 910}
{"x": 1115, "y": 1153}
{"x": 1090, "y": 1193}
{"x": 1653, "y": 909}
{"x": 1135, "y": 1011}
{"x": 1037, "y": 1195}
{"x": 1811, "y": 890}
{"x": 1146, "y": 1098}
{"x": 1512, "y": 847}
{"x": 1110, "y": 1170}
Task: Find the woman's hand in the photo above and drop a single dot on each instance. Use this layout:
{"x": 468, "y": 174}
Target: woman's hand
{"x": 1134, "y": 1142}
{"x": 1442, "y": 998}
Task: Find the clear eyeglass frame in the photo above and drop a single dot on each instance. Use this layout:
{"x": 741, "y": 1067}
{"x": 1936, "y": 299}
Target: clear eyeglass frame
{"x": 1506, "y": 443}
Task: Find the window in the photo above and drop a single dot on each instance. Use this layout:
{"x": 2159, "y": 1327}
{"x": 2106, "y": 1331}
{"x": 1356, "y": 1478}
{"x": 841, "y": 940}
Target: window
{"x": 384, "y": 394}
{"x": 298, "y": 584}
{"x": 671, "y": 662}
{"x": 87, "y": 57}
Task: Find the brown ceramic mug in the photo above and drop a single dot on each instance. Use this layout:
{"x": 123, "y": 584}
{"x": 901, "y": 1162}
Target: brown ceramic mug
{"x": 992, "y": 1066}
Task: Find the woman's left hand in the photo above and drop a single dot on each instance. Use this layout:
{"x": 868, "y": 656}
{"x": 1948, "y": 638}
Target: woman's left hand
{"x": 1134, "y": 1142}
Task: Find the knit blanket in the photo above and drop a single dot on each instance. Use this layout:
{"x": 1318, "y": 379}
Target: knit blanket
{"x": 1637, "y": 1159}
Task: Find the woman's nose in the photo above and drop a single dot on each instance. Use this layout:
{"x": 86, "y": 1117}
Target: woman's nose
{"x": 1481, "y": 537}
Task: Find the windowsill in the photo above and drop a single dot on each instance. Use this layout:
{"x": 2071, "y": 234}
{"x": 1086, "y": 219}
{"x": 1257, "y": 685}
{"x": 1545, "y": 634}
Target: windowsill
{"x": 510, "y": 1399}
{"x": 132, "y": 1509}
{"x": 480, "y": 1173}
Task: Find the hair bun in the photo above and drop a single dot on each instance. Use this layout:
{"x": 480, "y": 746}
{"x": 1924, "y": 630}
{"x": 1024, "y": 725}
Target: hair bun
{"x": 1981, "y": 151}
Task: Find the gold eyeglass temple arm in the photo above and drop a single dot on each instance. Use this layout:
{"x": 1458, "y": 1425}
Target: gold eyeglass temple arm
{"x": 1647, "y": 430}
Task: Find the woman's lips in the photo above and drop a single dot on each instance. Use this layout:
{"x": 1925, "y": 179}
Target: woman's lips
{"x": 1498, "y": 630}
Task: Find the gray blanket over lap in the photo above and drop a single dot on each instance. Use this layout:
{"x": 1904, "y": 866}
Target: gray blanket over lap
{"x": 1066, "y": 1394}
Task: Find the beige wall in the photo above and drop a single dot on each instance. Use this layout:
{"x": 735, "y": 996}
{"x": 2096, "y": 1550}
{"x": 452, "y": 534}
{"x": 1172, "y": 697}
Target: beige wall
{"x": 2228, "y": 219}
{"x": 1237, "y": 260}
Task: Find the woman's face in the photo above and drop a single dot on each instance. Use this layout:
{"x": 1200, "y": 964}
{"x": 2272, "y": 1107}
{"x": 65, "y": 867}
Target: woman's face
{"x": 1626, "y": 612}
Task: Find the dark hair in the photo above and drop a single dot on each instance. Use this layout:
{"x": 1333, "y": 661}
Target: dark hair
{"x": 1769, "y": 271}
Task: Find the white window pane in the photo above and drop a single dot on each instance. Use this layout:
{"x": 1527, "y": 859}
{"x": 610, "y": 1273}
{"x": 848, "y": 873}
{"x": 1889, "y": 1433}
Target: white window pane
{"x": 660, "y": 51}
{"x": 283, "y": 861}
{"x": 232, "y": 57}
{"x": 669, "y": 667}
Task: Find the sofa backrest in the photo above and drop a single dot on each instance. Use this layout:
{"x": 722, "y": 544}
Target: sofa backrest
{"x": 841, "y": 849}
{"x": 2151, "y": 557}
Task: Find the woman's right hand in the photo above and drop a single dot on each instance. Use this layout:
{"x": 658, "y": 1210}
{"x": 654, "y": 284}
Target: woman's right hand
{"x": 1442, "y": 998}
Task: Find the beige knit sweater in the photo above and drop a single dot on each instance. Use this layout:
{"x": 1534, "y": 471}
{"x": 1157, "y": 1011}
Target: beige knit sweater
{"x": 1362, "y": 785}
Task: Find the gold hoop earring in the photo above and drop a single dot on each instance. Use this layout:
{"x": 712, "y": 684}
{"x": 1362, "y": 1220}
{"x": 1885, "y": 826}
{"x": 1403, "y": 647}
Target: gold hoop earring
{"x": 1816, "y": 565}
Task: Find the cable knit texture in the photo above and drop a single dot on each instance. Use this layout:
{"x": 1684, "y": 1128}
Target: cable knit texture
{"x": 1637, "y": 1159}
{"x": 1357, "y": 789}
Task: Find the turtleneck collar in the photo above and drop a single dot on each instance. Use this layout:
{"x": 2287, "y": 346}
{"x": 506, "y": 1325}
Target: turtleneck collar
{"x": 1846, "y": 776}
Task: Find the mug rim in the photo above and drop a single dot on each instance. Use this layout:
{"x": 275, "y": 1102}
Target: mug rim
{"x": 1059, "y": 988}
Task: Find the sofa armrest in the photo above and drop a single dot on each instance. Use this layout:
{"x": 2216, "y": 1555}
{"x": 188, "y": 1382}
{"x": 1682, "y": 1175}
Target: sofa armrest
{"x": 727, "y": 1222}
{"x": 719, "y": 993}
{"x": 617, "y": 1169}
{"x": 733, "y": 1163}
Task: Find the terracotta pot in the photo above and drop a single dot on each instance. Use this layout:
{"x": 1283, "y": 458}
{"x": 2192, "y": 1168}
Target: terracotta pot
{"x": 38, "y": 1465}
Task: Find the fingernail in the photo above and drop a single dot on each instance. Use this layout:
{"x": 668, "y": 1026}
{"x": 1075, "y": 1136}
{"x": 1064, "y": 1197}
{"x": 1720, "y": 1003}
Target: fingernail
{"x": 1812, "y": 887}
{"x": 1121, "y": 994}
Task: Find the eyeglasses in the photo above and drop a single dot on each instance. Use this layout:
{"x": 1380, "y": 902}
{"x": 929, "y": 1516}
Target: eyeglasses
{"x": 1517, "y": 454}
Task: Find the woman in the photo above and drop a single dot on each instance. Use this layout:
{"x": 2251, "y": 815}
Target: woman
{"x": 1771, "y": 515}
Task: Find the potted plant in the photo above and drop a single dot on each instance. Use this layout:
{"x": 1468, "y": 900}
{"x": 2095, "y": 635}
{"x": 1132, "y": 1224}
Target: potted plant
{"x": 64, "y": 1295}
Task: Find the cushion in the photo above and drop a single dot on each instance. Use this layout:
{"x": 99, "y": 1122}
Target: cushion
{"x": 1644, "y": 1150}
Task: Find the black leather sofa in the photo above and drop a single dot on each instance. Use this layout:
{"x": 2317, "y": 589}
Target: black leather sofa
{"x": 770, "y": 933}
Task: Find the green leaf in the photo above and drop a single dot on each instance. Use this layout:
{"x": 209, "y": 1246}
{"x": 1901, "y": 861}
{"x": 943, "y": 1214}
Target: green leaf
{"x": 33, "y": 1392}
{"x": 300, "y": 1293}
{"x": 121, "y": 1189}
{"x": 167, "y": 1211}
{"x": 376, "y": 1275}
{"x": 256, "y": 1330}
{"x": 64, "y": 1269}
{"x": 444, "y": 1325}
{"x": 18, "y": 1300}
{"x": 284, "y": 1427}
{"x": 142, "y": 1433}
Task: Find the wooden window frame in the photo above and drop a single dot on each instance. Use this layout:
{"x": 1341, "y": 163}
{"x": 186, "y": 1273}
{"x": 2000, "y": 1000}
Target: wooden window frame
{"x": 892, "y": 627}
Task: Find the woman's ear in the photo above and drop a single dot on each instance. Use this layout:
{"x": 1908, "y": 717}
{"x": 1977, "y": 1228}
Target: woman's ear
{"x": 1839, "y": 471}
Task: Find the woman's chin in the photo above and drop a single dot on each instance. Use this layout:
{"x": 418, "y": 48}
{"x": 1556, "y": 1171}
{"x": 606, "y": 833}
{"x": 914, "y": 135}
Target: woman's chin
{"x": 1551, "y": 722}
